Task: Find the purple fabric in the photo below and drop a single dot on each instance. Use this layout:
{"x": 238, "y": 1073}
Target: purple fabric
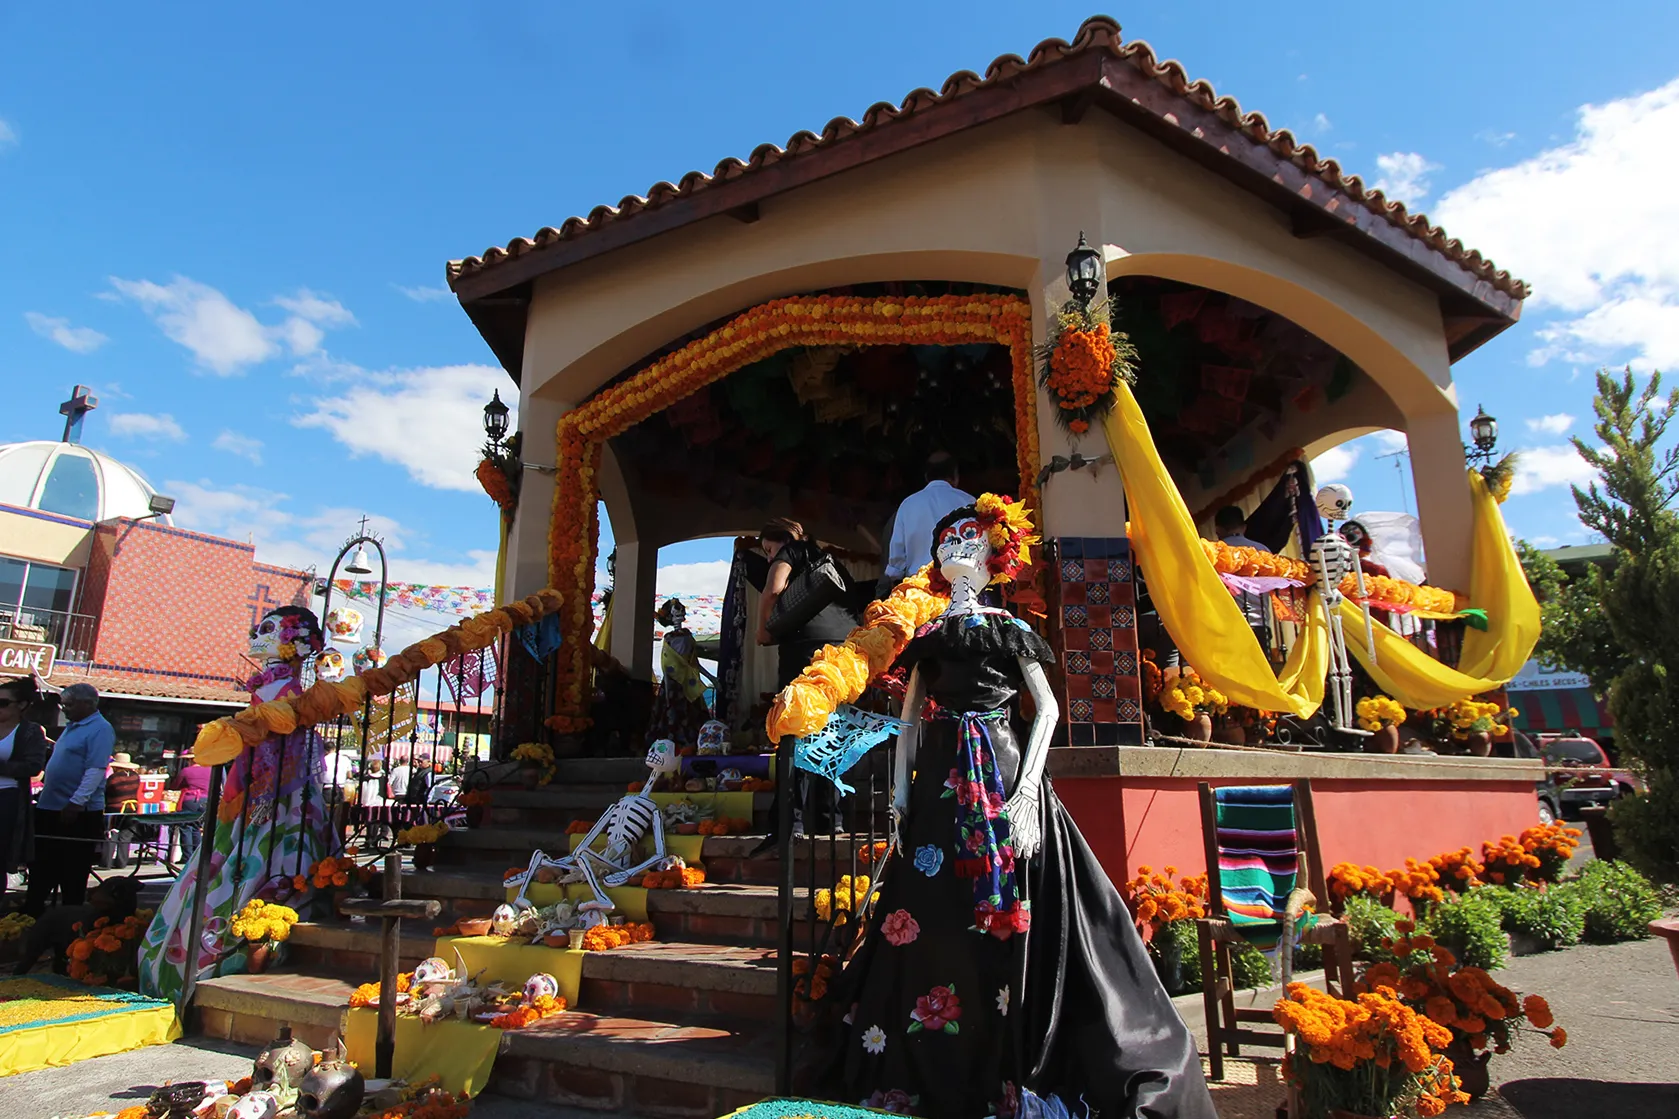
{"x": 194, "y": 781}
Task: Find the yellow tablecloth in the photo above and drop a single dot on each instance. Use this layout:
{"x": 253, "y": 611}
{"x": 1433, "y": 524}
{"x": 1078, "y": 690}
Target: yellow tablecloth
{"x": 461, "y": 1054}
{"x": 49, "y": 1022}
{"x": 686, "y": 847}
{"x": 511, "y": 962}
{"x": 631, "y": 901}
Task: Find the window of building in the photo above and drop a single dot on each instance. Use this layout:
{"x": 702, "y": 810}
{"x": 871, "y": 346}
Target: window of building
{"x": 35, "y": 601}
{"x": 72, "y": 488}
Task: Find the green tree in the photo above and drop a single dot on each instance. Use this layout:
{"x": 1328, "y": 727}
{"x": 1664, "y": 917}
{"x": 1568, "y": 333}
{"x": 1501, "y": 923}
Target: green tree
{"x": 1575, "y": 633}
{"x": 1631, "y": 507}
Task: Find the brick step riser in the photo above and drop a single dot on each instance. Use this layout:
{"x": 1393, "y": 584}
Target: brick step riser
{"x": 564, "y": 1085}
{"x": 663, "y": 1000}
{"x": 260, "y": 1029}
{"x": 531, "y": 818}
{"x": 348, "y": 964}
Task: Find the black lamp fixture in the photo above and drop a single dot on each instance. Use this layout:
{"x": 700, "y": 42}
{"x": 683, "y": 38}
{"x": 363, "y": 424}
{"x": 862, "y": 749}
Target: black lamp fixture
{"x": 1483, "y": 431}
{"x": 1084, "y": 271}
{"x": 360, "y": 564}
{"x": 495, "y": 419}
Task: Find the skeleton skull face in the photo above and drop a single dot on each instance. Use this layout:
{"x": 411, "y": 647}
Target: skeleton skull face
{"x": 541, "y": 985}
{"x": 333, "y": 1089}
{"x": 368, "y": 658}
{"x": 504, "y": 920}
{"x": 266, "y": 638}
{"x": 436, "y": 970}
{"x": 1353, "y": 533}
{"x": 963, "y": 549}
{"x": 1335, "y": 502}
{"x": 661, "y": 757}
{"x": 256, "y": 1105}
{"x": 280, "y": 1067}
{"x": 330, "y": 666}
{"x": 714, "y": 737}
{"x": 343, "y": 623}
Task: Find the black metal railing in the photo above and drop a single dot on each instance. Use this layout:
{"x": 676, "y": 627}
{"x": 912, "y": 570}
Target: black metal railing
{"x": 71, "y": 634}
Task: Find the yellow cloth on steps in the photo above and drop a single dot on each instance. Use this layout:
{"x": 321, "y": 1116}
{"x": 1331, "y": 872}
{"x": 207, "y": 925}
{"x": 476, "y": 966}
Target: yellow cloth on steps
{"x": 460, "y": 1054}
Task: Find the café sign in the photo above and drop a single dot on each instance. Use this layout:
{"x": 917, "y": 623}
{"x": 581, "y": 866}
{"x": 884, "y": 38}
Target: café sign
{"x": 22, "y": 657}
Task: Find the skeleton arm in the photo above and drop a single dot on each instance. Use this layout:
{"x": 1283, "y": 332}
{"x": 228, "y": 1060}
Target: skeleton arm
{"x": 619, "y": 877}
{"x": 1022, "y": 806}
{"x": 905, "y": 763}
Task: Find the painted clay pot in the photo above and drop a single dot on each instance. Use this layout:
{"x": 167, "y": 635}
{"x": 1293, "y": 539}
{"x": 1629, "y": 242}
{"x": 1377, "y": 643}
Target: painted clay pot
{"x": 261, "y": 956}
{"x": 1199, "y": 728}
{"x": 1384, "y": 741}
{"x": 1478, "y": 744}
{"x": 1470, "y": 1067}
{"x": 1233, "y": 734}
{"x": 425, "y": 856}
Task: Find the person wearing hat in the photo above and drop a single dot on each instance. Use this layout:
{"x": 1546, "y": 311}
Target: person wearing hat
{"x": 122, "y": 794}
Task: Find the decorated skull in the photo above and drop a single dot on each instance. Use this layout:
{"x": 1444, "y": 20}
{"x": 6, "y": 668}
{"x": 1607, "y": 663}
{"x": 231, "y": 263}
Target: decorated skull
{"x": 369, "y": 658}
{"x": 962, "y": 550}
{"x": 256, "y": 1105}
{"x": 330, "y": 666}
{"x": 285, "y": 634}
{"x": 343, "y": 623}
{"x": 730, "y": 779}
{"x": 1335, "y": 502}
{"x": 333, "y": 1089}
{"x": 178, "y": 1101}
{"x": 661, "y": 757}
{"x": 434, "y": 970}
{"x": 280, "y": 1067}
{"x": 714, "y": 738}
{"x": 541, "y": 985}
{"x": 504, "y": 921}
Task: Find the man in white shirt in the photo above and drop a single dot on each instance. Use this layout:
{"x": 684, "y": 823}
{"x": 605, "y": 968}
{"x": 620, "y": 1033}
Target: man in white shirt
{"x": 911, "y": 544}
{"x": 396, "y": 784}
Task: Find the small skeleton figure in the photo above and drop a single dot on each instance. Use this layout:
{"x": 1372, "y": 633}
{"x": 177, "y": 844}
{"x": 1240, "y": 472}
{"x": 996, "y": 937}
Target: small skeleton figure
{"x": 1334, "y": 560}
{"x": 624, "y": 825}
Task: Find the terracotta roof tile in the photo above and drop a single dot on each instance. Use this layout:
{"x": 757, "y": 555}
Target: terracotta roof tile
{"x": 1098, "y": 34}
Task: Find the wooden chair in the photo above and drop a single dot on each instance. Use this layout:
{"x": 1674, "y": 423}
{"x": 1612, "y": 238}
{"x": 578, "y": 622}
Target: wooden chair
{"x": 1221, "y": 930}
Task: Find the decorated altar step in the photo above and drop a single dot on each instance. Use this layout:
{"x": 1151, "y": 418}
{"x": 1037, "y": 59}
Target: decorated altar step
{"x": 687, "y": 1067}
{"x": 250, "y": 1009}
{"x": 350, "y": 949}
{"x": 557, "y": 805}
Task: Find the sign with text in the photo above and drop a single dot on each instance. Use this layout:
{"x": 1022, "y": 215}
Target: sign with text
{"x": 1535, "y": 677}
{"x": 19, "y": 658}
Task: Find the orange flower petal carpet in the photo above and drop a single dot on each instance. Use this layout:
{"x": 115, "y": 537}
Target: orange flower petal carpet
{"x": 47, "y": 1021}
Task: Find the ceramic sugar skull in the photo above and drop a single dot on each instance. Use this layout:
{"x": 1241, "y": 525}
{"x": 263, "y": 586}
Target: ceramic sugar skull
{"x": 330, "y": 666}
{"x": 286, "y": 634}
{"x": 504, "y": 921}
{"x": 256, "y": 1105}
{"x": 541, "y": 985}
{"x": 280, "y": 1067}
{"x": 962, "y": 551}
{"x": 434, "y": 970}
{"x": 661, "y": 757}
{"x": 369, "y": 658}
{"x": 343, "y": 623}
{"x": 730, "y": 779}
{"x": 333, "y": 1089}
{"x": 714, "y": 738}
{"x": 1335, "y": 502}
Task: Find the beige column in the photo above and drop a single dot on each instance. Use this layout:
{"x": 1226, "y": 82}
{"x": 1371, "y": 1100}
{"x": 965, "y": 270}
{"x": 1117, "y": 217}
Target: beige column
{"x": 634, "y": 586}
{"x": 1437, "y": 472}
{"x": 527, "y": 543}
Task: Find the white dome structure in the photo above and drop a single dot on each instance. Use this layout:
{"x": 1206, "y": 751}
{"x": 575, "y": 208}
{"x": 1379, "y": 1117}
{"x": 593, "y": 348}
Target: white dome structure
{"x": 72, "y": 481}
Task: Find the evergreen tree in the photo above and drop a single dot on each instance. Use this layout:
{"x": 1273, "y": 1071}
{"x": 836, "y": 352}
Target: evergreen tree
{"x": 1574, "y": 633}
{"x": 1631, "y": 507}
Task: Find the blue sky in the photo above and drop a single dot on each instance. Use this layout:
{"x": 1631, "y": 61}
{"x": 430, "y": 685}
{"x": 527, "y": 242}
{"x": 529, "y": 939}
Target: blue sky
{"x": 234, "y": 224}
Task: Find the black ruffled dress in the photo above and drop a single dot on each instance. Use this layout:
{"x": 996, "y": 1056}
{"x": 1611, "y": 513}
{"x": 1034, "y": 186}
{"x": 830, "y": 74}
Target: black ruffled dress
{"x": 981, "y": 976}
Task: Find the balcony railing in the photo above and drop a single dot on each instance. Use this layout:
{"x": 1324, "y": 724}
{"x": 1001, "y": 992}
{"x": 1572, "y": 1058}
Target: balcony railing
{"x": 72, "y": 634}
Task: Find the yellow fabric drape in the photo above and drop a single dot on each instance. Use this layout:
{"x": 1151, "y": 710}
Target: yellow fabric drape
{"x": 498, "y": 959}
{"x": 631, "y": 901}
{"x": 603, "y": 636}
{"x": 1193, "y": 602}
{"x": 501, "y": 559}
{"x": 57, "y": 1044}
{"x": 1497, "y": 585}
{"x": 460, "y": 1054}
{"x": 1404, "y": 671}
{"x": 682, "y": 671}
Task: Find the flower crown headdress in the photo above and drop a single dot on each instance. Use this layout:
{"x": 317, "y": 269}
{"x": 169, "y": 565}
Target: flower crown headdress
{"x": 1008, "y": 528}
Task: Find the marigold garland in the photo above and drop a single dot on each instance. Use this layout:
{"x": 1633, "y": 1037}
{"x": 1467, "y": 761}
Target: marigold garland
{"x": 1379, "y": 590}
{"x": 493, "y": 479}
{"x": 1083, "y": 359}
{"x": 543, "y": 1006}
{"x": 822, "y": 320}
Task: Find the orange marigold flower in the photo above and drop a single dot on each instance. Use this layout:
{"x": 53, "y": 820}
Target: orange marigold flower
{"x": 1538, "y": 1011}
{"x": 1559, "y": 1038}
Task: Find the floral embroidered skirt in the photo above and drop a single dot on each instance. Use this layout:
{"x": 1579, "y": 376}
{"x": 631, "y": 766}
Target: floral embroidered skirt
{"x": 950, "y": 1021}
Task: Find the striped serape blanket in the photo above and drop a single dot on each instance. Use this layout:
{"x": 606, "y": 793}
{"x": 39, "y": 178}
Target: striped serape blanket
{"x": 1258, "y": 859}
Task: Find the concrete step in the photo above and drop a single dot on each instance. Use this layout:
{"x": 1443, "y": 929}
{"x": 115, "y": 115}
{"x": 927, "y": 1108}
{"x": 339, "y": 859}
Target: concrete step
{"x": 351, "y": 949}
{"x": 250, "y": 1009}
{"x": 552, "y": 806}
{"x": 683, "y": 1068}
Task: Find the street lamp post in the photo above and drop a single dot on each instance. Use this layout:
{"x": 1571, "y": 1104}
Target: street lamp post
{"x": 1483, "y": 433}
{"x": 358, "y": 565}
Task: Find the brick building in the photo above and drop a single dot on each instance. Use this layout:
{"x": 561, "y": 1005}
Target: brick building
{"x": 155, "y": 616}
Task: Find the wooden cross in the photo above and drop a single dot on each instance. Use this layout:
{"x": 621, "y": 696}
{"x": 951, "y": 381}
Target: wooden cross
{"x": 392, "y": 911}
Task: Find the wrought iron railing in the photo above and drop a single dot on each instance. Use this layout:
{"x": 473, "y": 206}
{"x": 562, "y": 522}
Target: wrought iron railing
{"x": 71, "y": 634}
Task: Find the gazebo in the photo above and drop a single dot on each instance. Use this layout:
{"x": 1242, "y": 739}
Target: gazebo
{"x": 789, "y": 334}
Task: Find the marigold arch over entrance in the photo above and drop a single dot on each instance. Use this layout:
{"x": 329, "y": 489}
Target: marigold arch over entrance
{"x": 813, "y": 320}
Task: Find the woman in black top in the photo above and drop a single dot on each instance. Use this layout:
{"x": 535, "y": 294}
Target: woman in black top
{"x": 23, "y": 754}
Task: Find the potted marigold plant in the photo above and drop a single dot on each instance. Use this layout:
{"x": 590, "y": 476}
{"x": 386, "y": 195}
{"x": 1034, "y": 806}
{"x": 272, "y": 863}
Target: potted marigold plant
{"x": 1157, "y": 905}
{"x": 1376, "y": 1057}
{"x": 536, "y": 763}
{"x": 107, "y": 955}
{"x": 1481, "y": 1015}
{"x": 1195, "y": 702}
{"x": 1472, "y": 723}
{"x": 1381, "y": 716}
{"x": 265, "y": 927}
{"x": 423, "y": 838}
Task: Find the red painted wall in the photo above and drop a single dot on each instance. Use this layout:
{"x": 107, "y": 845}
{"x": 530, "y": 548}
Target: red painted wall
{"x": 1156, "y": 822}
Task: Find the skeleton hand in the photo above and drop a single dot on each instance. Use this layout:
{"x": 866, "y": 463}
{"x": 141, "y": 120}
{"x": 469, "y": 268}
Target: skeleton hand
{"x": 1024, "y": 833}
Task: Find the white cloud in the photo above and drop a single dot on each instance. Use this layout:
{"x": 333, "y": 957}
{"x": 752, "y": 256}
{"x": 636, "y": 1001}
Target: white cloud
{"x": 141, "y": 425}
{"x": 1541, "y": 468}
{"x": 1590, "y": 224}
{"x": 1494, "y": 137}
{"x": 425, "y": 294}
{"x": 1404, "y": 176}
{"x": 8, "y": 135}
{"x": 242, "y": 445}
{"x": 1334, "y": 464}
{"x": 428, "y": 421}
{"x": 707, "y": 577}
{"x": 1543, "y": 541}
{"x": 76, "y": 339}
{"x": 224, "y": 337}
{"x": 1389, "y": 441}
{"x": 1320, "y": 124}
{"x": 1556, "y": 424}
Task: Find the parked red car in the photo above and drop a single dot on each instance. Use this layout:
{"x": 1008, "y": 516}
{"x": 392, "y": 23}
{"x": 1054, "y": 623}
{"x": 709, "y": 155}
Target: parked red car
{"x": 1577, "y": 790}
